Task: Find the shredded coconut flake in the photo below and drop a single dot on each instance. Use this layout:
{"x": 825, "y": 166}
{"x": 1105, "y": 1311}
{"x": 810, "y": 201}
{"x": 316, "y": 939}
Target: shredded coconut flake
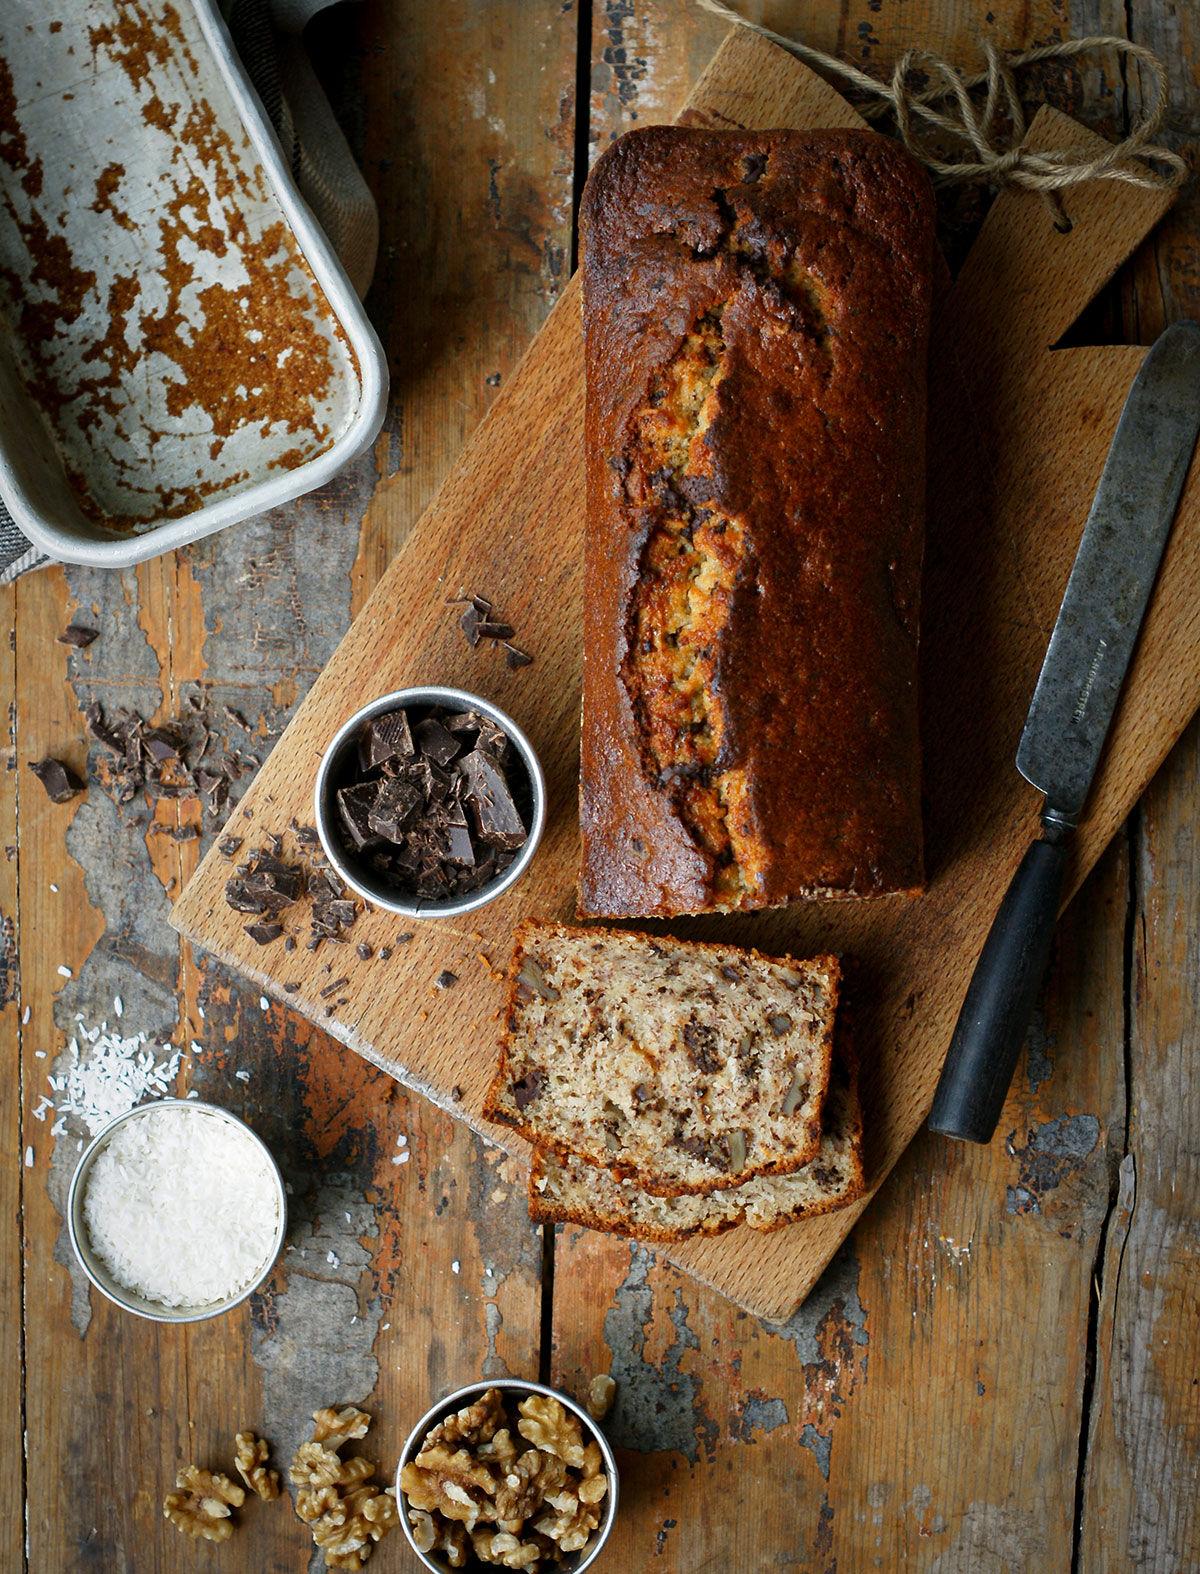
{"x": 181, "y": 1207}
{"x": 109, "y": 1077}
{"x": 28, "y": 1158}
{"x": 64, "y": 972}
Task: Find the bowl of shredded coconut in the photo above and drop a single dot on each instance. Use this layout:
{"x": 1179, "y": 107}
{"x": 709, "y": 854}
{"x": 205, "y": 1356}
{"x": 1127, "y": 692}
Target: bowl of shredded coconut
{"x": 177, "y": 1211}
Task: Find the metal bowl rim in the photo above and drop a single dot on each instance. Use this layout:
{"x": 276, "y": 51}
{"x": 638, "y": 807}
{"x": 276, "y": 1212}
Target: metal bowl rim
{"x": 77, "y": 1230}
{"x": 455, "y": 1401}
{"x": 458, "y": 699}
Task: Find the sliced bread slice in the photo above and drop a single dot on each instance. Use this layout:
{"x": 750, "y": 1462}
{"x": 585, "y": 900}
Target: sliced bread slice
{"x": 570, "y": 1191}
{"x": 684, "y": 1066}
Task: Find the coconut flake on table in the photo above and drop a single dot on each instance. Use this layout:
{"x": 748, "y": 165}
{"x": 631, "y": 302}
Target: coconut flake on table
{"x": 112, "y": 1075}
{"x": 181, "y": 1207}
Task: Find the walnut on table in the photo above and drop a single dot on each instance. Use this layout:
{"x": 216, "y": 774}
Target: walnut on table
{"x": 602, "y": 1390}
{"x": 335, "y": 1428}
{"x": 345, "y": 1511}
{"x": 251, "y": 1458}
{"x": 201, "y": 1505}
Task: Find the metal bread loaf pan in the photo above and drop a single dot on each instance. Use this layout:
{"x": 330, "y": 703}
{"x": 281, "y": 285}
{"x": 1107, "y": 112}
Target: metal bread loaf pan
{"x": 179, "y": 346}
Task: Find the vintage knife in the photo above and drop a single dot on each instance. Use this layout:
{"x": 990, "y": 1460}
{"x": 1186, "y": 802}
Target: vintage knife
{"x": 1073, "y": 704}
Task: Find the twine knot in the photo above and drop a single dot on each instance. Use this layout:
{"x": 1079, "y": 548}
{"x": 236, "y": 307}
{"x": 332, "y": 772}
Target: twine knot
{"x": 935, "y": 104}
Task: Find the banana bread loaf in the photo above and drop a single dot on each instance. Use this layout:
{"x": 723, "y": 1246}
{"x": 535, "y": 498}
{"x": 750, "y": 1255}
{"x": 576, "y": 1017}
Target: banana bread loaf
{"x": 569, "y": 1190}
{"x": 685, "y": 1066}
{"x": 756, "y": 311}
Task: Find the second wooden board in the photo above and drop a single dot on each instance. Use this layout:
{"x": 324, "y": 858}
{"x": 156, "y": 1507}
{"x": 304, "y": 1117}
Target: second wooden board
{"x": 1019, "y": 431}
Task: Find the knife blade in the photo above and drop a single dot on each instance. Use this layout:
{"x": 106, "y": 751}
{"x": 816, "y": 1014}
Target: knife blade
{"x": 1073, "y": 704}
{"x": 1113, "y": 576}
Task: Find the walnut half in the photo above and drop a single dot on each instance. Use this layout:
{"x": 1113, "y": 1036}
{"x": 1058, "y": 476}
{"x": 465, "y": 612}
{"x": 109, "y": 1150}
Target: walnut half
{"x": 251, "y": 1461}
{"x": 201, "y": 1505}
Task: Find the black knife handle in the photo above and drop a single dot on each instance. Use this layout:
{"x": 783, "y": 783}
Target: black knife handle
{"x": 999, "y": 1004}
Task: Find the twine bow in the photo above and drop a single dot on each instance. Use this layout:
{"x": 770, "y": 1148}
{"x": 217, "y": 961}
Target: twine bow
{"x": 990, "y": 133}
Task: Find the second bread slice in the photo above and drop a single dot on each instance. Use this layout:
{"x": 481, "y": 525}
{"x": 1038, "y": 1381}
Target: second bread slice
{"x": 683, "y": 1066}
{"x": 570, "y": 1191}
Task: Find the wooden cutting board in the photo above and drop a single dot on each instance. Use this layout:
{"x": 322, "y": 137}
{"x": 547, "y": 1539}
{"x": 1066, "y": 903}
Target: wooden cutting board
{"x": 1019, "y": 432}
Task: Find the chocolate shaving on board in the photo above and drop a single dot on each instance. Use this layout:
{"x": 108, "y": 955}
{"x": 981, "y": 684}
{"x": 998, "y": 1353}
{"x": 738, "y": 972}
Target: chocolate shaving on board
{"x": 479, "y": 623}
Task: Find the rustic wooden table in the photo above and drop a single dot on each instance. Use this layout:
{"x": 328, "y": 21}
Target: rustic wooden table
{"x": 1001, "y": 1371}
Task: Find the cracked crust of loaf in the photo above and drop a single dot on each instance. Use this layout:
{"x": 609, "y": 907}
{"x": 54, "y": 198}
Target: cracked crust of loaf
{"x": 756, "y": 315}
{"x": 598, "y": 1201}
{"x": 801, "y": 1126}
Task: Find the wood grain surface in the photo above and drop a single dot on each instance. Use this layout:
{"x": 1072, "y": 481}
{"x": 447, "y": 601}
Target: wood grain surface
{"x": 1018, "y": 436}
{"x": 986, "y": 1377}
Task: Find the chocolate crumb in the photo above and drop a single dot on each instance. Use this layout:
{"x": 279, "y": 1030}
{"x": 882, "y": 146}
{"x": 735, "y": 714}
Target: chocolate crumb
{"x": 290, "y": 989}
{"x": 228, "y": 845}
{"x": 264, "y": 932}
{"x": 456, "y": 1093}
{"x": 445, "y": 979}
{"x": 385, "y": 951}
{"x": 290, "y": 943}
{"x": 515, "y": 657}
{"x": 77, "y": 635}
{"x": 404, "y": 938}
{"x": 332, "y": 989}
{"x": 364, "y": 951}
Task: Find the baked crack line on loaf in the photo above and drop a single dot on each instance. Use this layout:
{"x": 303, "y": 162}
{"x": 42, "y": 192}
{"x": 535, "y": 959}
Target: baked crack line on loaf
{"x": 696, "y": 558}
{"x": 691, "y": 565}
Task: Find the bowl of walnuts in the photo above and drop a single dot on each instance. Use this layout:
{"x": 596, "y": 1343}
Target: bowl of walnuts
{"x": 507, "y": 1473}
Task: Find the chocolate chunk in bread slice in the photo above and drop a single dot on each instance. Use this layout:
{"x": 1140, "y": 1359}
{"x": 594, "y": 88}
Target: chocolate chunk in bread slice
{"x": 684, "y": 1066}
{"x": 570, "y": 1191}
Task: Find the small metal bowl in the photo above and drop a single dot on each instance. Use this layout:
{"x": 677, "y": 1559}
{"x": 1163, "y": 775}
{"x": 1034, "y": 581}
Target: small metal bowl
{"x": 99, "y": 1275}
{"x": 370, "y": 886}
{"x": 573, "y": 1562}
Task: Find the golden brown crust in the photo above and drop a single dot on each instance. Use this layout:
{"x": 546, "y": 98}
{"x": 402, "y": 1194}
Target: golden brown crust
{"x": 495, "y": 1109}
{"x": 756, "y": 317}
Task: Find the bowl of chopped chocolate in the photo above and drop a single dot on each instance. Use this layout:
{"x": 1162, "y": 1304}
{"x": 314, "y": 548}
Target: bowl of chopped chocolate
{"x": 430, "y": 802}
{"x": 512, "y": 1473}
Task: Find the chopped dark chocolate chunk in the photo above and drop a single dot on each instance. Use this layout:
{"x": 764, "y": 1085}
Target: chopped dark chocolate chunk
{"x": 405, "y": 805}
{"x": 469, "y": 623}
{"x": 160, "y": 744}
{"x": 332, "y": 989}
{"x": 396, "y": 802}
{"x": 60, "y": 782}
{"x": 385, "y": 952}
{"x": 386, "y": 737}
{"x": 78, "y": 635}
{"x": 228, "y": 845}
{"x": 487, "y": 796}
{"x": 404, "y": 938}
{"x": 265, "y": 886}
{"x": 434, "y": 742}
{"x": 354, "y": 809}
{"x": 488, "y": 630}
{"x": 445, "y": 979}
{"x": 364, "y": 951}
{"x": 290, "y": 943}
{"x": 515, "y": 657}
{"x": 264, "y": 931}
{"x": 527, "y": 1088}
